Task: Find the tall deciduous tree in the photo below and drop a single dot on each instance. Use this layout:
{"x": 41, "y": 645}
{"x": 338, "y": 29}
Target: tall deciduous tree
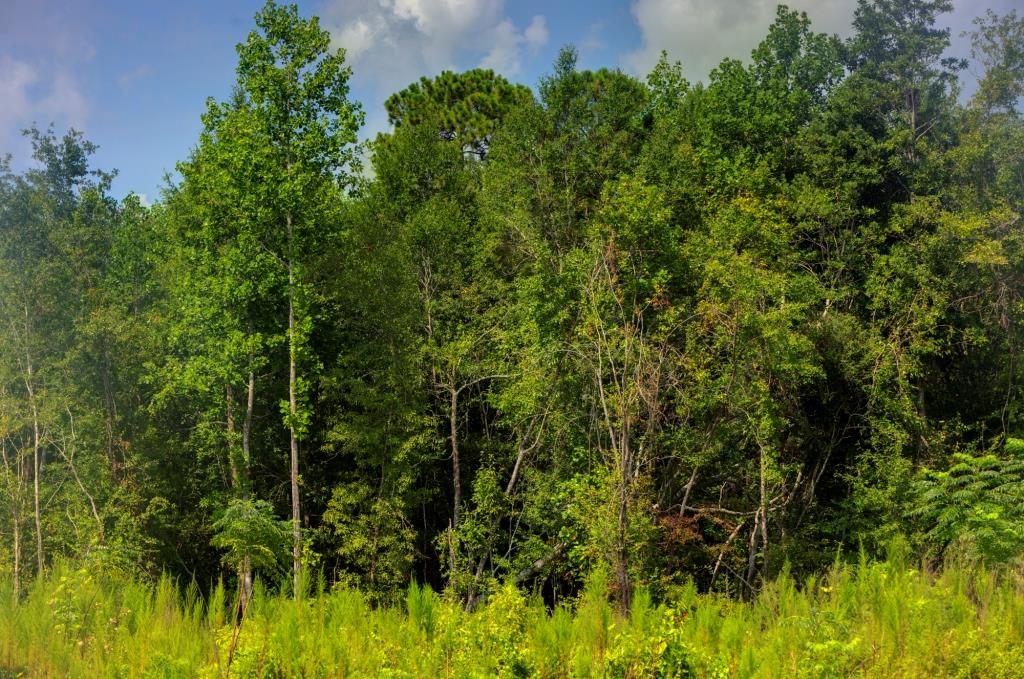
{"x": 290, "y": 134}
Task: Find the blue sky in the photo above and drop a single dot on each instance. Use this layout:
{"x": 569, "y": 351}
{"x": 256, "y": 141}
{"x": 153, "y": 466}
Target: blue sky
{"x": 134, "y": 75}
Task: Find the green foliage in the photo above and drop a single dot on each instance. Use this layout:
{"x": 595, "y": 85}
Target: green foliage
{"x": 465, "y": 107}
{"x": 657, "y": 338}
{"x": 374, "y": 540}
{"x": 976, "y": 506}
{"x": 247, "y": 530}
{"x": 996, "y": 44}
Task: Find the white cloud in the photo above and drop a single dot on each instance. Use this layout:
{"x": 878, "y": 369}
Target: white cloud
{"x": 536, "y": 33}
{"x": 506, "y": 53}
{"x": 358, "y": 37}
{"x": 446, "y": 17}
{"x": 592, "y": 40}
{"x": 64, "y": 102}
{"x": 701, "y": 33}
{"x": 16, "y": 77}
{"x": 30, "y": 94}
{"x": 403, "y": 39}
{"x": 391, "y": 43}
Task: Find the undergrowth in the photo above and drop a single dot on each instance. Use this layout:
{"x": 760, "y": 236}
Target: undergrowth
{"x": 885, "y": 619}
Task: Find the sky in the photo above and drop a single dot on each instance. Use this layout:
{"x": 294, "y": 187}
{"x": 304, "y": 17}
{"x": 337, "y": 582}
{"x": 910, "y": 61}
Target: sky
{"x": 134, "y": 75}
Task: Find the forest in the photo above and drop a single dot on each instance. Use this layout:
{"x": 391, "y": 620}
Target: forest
{"x": 608, "y": 377}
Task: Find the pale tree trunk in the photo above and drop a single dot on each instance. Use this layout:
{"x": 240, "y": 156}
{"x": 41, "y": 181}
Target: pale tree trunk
{"x": 453, "y": 428}
{"x": 239, "y": 484}
{"x": 453, "y": 389}
{"x": 759, "y": 529}
{"x": 293, "y": 410}
{"x": 522, "y": 451}
{"x": 15, "y": 498}
{"x": 246, "y": 577}
{"x": 111, "y": 412}
{"x": 17, "y": 554}
{"x": 37, "y": 454}
{"x": 748, "y": 587}
{"x": 247, "y": 426}
{"x": 37, "y": 466}
{"x": 629, "y": 401}
{"x": 688, "y": 487}
{"x": 66, "y": 449}
{"x": 229, "y": 395}
{"x": 764, "y": 515}
{"x": 453, "y": 410}
{"x": 622, "y": 557}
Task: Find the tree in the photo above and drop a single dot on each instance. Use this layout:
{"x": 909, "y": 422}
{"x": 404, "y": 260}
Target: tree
{"x": 624, "y": 343}
{"x": 898, "y": 48}
{"x": 52, "y": 215}
{"x": 289, "y": 134}
{"x": 997, "y": 45}
{"x": 466, "y": 107}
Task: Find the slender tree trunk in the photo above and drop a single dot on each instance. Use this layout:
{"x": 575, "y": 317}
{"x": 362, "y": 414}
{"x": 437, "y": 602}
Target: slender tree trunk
{"x": 67, "y": 451}
{"x": 721, "y": 554}
{"x": 538, "y": 565}
{"x": 238, "y": 484}
{"x": 15, "y": 518}
{"x": 748, "y": 588}
{"x": 453, "y": 410}
{"x": 764, "y": 515}
{"x": 37, "y": 466}
{"x": 37, "y": 457}
{"x": 240, "y": 472}
{"x": 293, "y": 411}
{"x": 229, "y": 395}
{"x": 622, "y": 558}
{"x": 17, "y": 553}
{"x": 622, "y": 555}
{"x": 520, "y": 456}
{"x": 912, "y": 105}
{"x": 689, "y": 487}
{"x": 247, "y": 427}
{"x": 111, "y": 414}
{"x": 1003, "y": 420}
{"x": 245, "y": 578}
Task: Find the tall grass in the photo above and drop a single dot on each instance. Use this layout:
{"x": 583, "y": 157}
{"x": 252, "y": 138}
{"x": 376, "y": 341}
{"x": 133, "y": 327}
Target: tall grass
{"x": 885, "y": 619}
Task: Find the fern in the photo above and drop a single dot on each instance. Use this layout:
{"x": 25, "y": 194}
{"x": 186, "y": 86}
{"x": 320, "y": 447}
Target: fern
{"x": 249, "y": 529}
{"x": 977, "y": 504}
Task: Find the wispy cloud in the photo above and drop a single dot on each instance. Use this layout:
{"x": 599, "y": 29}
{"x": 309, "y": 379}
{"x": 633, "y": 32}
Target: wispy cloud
{"x": 35, "y": 95}
{"x": 43, "y": 46}
{"x": 594, "y": 40}
{"x": 506, "y": 53}
{"x": 16, "y": 77}
{"x": 132, "y": 75}
{"x": 65, "y": 101}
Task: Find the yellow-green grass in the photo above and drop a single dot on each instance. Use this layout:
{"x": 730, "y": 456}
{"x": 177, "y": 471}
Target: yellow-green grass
{"x": 883, "y": 619}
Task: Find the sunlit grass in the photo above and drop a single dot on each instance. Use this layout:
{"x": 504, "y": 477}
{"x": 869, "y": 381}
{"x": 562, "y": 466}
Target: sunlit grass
{"x": 885, "y": 619}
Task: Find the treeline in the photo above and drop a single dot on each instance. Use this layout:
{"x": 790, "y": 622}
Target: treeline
{"x": 676, "y": 331}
